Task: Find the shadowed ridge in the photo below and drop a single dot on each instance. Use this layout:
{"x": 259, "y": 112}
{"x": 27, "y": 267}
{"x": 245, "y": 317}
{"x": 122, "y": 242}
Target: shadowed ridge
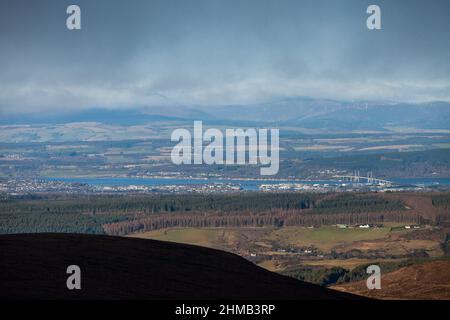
{"x": 33, "y": 266}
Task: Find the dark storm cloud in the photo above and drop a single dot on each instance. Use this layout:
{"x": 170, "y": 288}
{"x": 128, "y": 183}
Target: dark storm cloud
{"x": 137, "y": 53}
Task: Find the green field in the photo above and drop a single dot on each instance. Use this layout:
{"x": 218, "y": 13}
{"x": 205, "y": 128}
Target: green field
{"x": 325, "y": 238}
{"x": 202, "y": 237}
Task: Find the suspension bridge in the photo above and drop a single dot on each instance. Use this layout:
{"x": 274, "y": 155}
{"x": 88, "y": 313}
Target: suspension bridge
{"x": 356, "y": 177}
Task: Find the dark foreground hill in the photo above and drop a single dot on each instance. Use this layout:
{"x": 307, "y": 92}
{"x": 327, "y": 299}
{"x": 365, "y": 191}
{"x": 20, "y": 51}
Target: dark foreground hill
{"x": 33, "y": 266}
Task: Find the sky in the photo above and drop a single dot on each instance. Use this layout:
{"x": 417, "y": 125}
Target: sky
{"x": 219, "y": 52}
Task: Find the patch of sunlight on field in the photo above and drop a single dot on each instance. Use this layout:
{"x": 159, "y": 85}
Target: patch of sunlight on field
{"x": 196, "y": 236}
{"x": 271, "y": 265}
{"x": 394, "y": 225}
{"x": 325, "y": 238}
{"x": 394, "y": 147}
{"x": 433, "y": 248}
{"x": 320, "y": 148}
{"x": 346, "y": 264}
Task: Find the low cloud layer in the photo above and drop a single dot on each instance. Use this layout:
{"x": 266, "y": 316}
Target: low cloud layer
{"x": 214, "y": 52}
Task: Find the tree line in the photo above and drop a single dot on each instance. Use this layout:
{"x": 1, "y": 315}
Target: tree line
{"x": 125, "y": 214}
{"x": 274, "y": 218}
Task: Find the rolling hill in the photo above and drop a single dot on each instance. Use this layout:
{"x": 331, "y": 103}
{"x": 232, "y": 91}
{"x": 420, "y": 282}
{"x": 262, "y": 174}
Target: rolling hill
{"x": 430, "y": 280}
{"x": 33, "y": 266}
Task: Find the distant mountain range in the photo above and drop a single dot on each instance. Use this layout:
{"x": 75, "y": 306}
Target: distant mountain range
{"x": 297, "y": 112}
